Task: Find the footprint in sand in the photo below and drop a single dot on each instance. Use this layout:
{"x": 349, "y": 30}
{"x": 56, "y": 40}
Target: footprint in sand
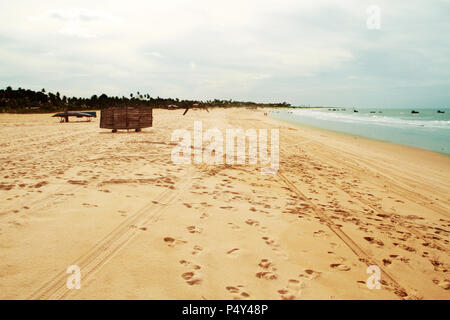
{"x": 194, "y": 229}
{"x": 197, "y": 250}
{"x": 334, "y": 245}
{"x": 320, "y": 233}
{"x": 88, "y": 205}
{"x": 171, "y": 242}
{"x": 255, "y": 223}
{"x": 444, "y": 284}
{"x": 238, "y": 292}
{"x": 310, "y": 274}
{"x": 267, "y": 264}
{"x": 271, "y": 242}
{"x": 340, "y": 267}
{"x": 374, "y": 241}
{"x": 233, "y": 252}
{"x": 233, "y": 226}
{"x": 292, "y": 290}
{"x": 275, "y": 245}
{"x": 438, "y": 266}
{"x": 252, "y": 222}
{"x": 269, "y": 270}
{"x": 267, "y": 275}
{"x": 190, "y": 264}
{"x": 187, "y": 275}
{"x": 191, "y": 278}
{"x": 404, "y": 247}
{"x": 294, "y": 286}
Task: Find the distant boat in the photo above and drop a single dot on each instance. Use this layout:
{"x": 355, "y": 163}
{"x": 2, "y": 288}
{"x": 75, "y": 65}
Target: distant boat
{"x": 373, "y": 112}
{"x": 355, "y": 111}
{"x": 440, "y": 111}
{"x": 414, "y": 111}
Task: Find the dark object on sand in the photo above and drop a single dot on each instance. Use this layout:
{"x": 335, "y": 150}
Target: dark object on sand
{"x": 126, "y": 118}
{"x": 195, "y": 106}
{"x": 414, "y": 111}
{"x": 440, "y": 111}
{"x": 65, "y": 115}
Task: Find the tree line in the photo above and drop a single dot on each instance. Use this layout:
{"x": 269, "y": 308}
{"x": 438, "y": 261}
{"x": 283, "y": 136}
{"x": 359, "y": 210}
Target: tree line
{"x": 29, "y": 101}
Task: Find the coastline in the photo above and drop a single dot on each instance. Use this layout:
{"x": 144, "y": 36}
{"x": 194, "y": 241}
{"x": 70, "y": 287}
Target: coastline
{"x": 219, "y": 232}
{"x": 345, "y": 135}
{"x": 361, "y": 136}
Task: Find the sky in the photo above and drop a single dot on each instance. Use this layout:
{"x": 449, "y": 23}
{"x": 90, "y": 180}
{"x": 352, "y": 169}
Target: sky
{"x": 320, "y": 53}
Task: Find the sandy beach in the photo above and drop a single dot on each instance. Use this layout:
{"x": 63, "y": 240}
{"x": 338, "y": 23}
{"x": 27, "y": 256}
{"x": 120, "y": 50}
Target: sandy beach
{"x": 142, "y": 227}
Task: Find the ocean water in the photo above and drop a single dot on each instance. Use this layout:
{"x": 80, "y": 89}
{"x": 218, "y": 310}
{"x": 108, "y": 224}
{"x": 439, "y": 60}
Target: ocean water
{"x": 427, "y": 129}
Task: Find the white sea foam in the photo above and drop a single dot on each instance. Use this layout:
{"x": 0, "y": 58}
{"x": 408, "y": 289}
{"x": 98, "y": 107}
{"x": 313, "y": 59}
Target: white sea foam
{"x": 374, "y": 119}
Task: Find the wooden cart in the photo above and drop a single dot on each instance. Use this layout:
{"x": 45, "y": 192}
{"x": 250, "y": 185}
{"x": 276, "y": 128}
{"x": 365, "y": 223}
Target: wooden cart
{"x": 126, "y": 118}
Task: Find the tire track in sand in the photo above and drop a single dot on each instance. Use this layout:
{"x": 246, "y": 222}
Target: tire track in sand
{"x": 348, "y": 241}
{"x": 104, "y": 250}
{"x": 403, "y": 189}
{"x": 396, "y": 218}
{"x": 38, "y": 204}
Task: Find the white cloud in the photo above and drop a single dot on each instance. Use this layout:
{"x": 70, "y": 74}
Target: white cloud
{"x": 80, "y": 14}
{"x": 301, "y": 51}
{"x": 155, "y": 54}
{"x": 77, "y": 22}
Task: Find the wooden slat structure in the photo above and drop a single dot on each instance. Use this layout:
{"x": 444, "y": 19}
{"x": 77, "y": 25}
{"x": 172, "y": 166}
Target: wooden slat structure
{"x": 125, "y": 118}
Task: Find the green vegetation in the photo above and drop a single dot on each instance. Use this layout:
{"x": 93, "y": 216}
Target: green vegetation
{"x": 29, "y": 101}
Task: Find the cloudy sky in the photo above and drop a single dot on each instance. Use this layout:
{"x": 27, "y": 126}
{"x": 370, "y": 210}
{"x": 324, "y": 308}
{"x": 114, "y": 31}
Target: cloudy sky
{"x": 303, "y": 52}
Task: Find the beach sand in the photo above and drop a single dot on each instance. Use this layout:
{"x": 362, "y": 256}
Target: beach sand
{"x": 142, "y": 227}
